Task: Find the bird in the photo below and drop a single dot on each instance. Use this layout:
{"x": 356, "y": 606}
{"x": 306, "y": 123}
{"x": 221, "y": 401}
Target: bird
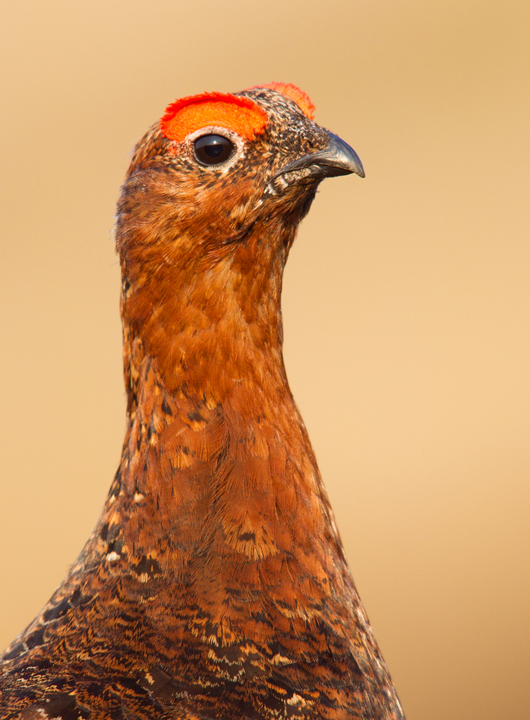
{"x": 215, "y": 584}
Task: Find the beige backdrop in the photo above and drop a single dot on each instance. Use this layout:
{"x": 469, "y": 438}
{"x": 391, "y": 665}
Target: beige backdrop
{"x": 407, "y": 305}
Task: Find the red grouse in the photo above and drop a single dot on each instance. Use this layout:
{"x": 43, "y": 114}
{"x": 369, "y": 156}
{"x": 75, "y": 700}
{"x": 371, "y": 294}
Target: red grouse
{"x": 215, "y": 583}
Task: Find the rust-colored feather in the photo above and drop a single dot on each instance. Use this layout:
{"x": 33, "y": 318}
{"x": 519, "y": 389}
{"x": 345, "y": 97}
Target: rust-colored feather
{"x": 215, "y": 583}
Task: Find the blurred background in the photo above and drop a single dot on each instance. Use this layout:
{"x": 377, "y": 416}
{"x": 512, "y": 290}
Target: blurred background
{"x": 406, "y": 302}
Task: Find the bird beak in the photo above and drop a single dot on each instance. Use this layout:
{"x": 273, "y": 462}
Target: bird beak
{"x": 338, "y": 158}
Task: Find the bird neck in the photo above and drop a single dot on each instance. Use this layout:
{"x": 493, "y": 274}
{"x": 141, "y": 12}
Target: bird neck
{"x": 209, "y": 324}
{"x": 216, "y": 460}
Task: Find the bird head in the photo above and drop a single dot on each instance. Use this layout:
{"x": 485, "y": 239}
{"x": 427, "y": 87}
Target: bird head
{"x": 216, "y": 164}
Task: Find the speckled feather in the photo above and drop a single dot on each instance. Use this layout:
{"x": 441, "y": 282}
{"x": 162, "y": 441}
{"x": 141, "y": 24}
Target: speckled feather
{"x": 215, "y": 583}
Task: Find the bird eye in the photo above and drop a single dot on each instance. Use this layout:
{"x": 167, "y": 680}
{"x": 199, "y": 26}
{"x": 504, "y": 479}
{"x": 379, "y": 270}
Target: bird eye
{"x": 213, "y": 149}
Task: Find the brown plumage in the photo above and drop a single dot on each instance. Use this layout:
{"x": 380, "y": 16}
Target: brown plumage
{"x": 215, "y": 583}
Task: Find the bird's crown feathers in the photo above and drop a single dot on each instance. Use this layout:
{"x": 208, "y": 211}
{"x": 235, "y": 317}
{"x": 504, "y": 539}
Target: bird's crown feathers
{"x": 293, "y": 93}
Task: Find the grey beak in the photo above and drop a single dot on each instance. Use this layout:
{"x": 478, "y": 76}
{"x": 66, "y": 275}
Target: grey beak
{"x": 338, "y": 158}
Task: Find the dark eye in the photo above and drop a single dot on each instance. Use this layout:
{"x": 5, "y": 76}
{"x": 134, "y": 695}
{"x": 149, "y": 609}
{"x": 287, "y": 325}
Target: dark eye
{"x": 213, "y": 149}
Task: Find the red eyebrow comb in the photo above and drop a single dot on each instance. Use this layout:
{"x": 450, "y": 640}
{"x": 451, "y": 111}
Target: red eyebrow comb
{"x": 240, "y": 114}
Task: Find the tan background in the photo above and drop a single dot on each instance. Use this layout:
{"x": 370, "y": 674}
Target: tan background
{"x": 407, "y": 303}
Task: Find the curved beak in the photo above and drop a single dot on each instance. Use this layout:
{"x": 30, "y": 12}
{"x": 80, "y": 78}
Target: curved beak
{"x": 338, "y": 158}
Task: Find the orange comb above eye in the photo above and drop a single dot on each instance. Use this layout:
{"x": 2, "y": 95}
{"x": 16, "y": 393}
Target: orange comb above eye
{"x": 188, "y": 114}
{"x": 294, "y": 93}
